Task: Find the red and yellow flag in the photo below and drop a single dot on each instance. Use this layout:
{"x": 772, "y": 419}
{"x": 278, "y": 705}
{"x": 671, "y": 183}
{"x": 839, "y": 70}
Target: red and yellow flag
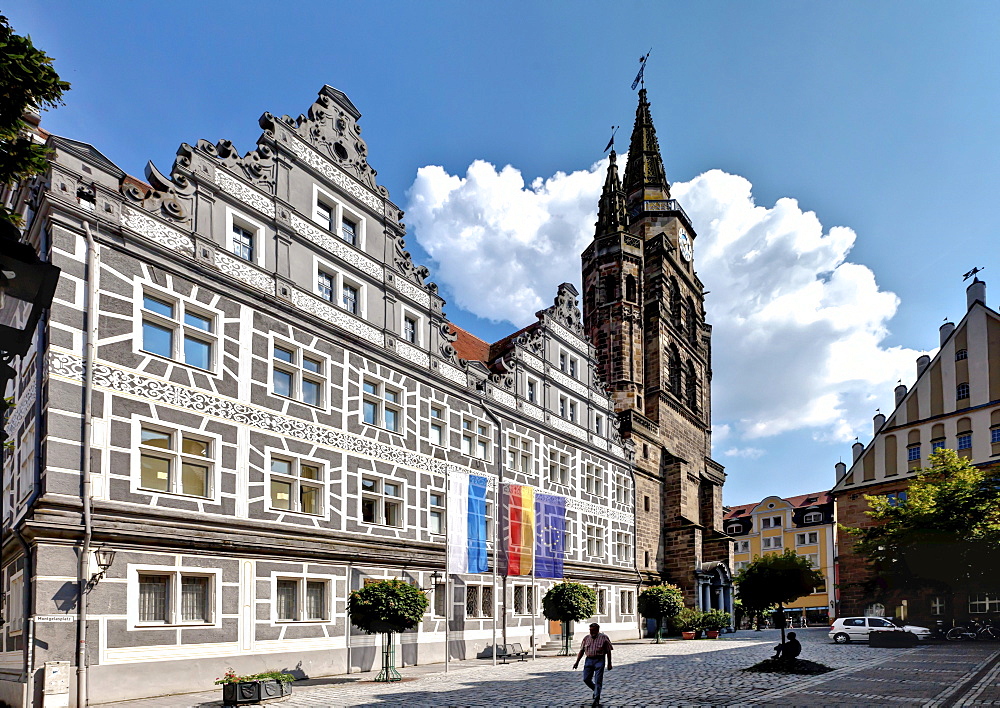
{"x": 519, "y": 531}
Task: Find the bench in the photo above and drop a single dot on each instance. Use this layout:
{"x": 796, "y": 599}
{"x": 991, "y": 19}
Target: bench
{"x": 511, "y": 651}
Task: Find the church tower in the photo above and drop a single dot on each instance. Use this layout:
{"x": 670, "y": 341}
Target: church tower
{"x": 644, "y": 311}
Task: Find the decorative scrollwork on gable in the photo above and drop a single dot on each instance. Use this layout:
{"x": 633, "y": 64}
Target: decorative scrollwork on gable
{"x": 503, "y": 381}
{"x": 331, "y": 126}
{"x": 532, "y": 341}
{"x": 257, "y": 166}
{"x": 448, "y": 352}
{"x": 404, "y": 263}
{"x": 565, "y": 310}
{"x": 172, "y": 198}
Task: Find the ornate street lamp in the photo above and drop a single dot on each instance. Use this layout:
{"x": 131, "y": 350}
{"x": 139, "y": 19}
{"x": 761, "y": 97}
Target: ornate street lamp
{"x": 27, "y": 285}
{"x": 105, "y": 557}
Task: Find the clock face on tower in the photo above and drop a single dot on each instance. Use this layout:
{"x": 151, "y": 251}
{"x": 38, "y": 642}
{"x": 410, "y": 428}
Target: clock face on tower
{"x": 684, "y": 241}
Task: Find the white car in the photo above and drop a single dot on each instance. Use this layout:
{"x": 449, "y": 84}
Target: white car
{"x": 856, "y": 629}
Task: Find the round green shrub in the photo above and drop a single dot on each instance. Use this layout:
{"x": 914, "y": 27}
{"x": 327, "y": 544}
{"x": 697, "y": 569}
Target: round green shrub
{"x": 660, "y": 601}
{"x": 387, "y": 606}
{"x": 569, "y": 602}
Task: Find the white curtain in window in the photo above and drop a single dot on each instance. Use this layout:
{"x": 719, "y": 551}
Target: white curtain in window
{"x": 194, "y": 599}
{"x": 153, "y": 598}
{"x": 315, "y": 600}
{"x": 286, "y": 600}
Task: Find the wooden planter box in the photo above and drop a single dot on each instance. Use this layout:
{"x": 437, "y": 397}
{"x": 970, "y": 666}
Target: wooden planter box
{"x": 244, "y": 692}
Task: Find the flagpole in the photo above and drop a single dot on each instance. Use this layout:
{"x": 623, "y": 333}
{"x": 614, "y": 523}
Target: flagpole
{"x": 534, "y": 605}
{"x": 448, "y": 594}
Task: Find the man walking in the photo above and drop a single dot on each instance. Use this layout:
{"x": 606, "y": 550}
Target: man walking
{"x": 597, "y": 647}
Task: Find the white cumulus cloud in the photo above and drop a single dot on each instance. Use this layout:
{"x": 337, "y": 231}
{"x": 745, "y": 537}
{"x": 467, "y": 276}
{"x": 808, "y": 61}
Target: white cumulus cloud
{"x": 798, "y": 329}
{"x": 750, "y": 453}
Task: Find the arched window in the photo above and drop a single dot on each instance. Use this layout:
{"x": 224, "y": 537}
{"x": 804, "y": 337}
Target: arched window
{"x": 962, "y": 392}
{"x": 609, "y": 288}
{"x": 674, "y": 370}
{"x": 630, "y": 294}
{"x": 692, "y": 322}
{"x": 691, "y": 390}
{"x": 734, "y": 529}
{"x": 961, "y": 354}
{"x": 813, "y": 517}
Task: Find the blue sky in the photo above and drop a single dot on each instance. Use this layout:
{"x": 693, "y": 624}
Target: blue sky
{"x": 878, "y": 117}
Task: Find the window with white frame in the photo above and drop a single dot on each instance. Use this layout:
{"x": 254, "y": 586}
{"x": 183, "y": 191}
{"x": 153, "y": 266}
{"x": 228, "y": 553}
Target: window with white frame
{"x": 349, "y": 229}
{"x": 771, "y": 542}
{"x": 813, "y": 558}
{"x": 412, "y": 328}
{"x": 520, "y": 453}
{"x": 533, "y": 390}
{"x": 476, "y": 439}
{"x": 568, "y": 409}
{"x": 595, "y": 541}
{"x": 593, "y": 478}
{"x": 913, "y": 452}
{"x": 961, "y": 354}
{"x": 441, "y": 600}
{"x": 623, "y": 489}
{"x": 569, "y": 364}
{"x": 742, "y": 547}
{"x": 962, "y": 391}
{"x": 937, "y": 605}
{"x": 381, "y": 502}
{"x": 626, "y": 602}
{"x": 299, "y": 374}
{"x": 740, "y": 565}
{"x": 436, "y": 512}
{"x": 623, "y": 547}
{"x": 734, "y": 529}
{"x": 984, "y": 603}
{"x": 599, "y": 426}
{"x": 301, "y": 599}
{"x": 813, "y": 517}
{"x": 438, "y": 426}
{"x": 382, "y": 405}
{"x": 770, "y": 522}
{"x": 175, "y": 329}
{"x": 524, "y": 600}
{"x": 341, "y": 290}
{"x": 175, "y": 462}
{"x": 245, "y": 237}
{"x": 602, "y": 601}
{"x": 478, "y": 600}
{"x": 25, "y": 455}
{"x": 338, "y": 219}
{"x": 15, "y": 603}
{"x": 172, "y": 597}
{"x": 296, "y": 485}
{"x": 570, "y": 537}
{"x": 325, "y": 215}
{"x": 808, "y": 538}
{"x": 559, "y": 467}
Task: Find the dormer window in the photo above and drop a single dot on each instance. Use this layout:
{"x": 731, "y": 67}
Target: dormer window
{"x": 734, "y": 529}
{"x": 813, "y": 517}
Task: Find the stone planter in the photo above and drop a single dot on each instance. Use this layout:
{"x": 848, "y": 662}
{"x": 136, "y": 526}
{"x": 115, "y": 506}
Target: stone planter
{"x": 247, "y": 692}
{"x": 687, "y": 635}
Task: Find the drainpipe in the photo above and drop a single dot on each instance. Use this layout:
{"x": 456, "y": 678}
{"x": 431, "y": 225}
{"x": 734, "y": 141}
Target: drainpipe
{"x": 83, "y": 571}
{"x": 498, "y": 463}
{"x": 635, "y": 537}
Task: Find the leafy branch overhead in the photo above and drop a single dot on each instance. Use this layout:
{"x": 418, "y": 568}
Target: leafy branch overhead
{"x": 387, "y": 606}
{"x": 28, "y": 82}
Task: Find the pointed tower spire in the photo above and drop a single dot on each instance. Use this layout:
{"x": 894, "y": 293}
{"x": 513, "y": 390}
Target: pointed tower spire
{"x": 611, "y": 215}
{"x": 644, "y": 171}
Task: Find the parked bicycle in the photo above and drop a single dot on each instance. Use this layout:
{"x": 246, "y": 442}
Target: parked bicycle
{"x": 973, "y": 630}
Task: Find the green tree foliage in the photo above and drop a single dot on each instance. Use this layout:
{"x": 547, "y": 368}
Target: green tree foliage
{"x": 716, "y": 620}
{"x": 687, "y": 620}
{"x": 660, "y": 601}
{"x": 569, "y": 602}
{"x": 387, "y": 606}
{"x": 946, "y": 533}
{"x": 27, "y": 81}
{"x": 775, "y": 579}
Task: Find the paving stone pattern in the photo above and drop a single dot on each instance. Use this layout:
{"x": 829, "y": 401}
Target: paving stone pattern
{"x": 676, "y": 673}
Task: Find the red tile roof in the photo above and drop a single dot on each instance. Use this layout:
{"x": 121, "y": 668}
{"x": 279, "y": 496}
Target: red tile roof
{"x": 469, "y": 346}
{"x": 802, "y": 500}
{"x": 129, "y": 179}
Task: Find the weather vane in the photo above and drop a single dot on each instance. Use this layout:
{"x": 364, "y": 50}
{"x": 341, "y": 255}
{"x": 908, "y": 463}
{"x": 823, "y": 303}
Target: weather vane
{"x": 972, "y": 272}
{"x": 642, "y": 68}
{"x": 611, "y": 143}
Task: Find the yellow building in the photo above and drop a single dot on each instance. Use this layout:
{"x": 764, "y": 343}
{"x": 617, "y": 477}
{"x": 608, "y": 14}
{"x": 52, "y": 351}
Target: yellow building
{"x": 803, "y": 523}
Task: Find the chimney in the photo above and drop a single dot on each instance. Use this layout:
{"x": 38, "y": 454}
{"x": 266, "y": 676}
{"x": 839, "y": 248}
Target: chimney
{"x": 857, "y": 448}
{"x": 900, "y": 393}
{"x": 923, "y": 361}
{"x": 878, "y": 421}
{"x": 948, "y": 327}
{"x": 976, "y": 291}
{"x": 841, "y": 469}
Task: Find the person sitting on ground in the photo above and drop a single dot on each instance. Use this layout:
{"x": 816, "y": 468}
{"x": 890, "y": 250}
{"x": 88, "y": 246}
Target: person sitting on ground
{"x": 789, "y": 650}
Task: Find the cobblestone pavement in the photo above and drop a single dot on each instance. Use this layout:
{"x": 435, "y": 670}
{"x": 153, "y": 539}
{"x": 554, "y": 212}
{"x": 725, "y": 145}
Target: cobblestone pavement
{"x": 675, "y": 673}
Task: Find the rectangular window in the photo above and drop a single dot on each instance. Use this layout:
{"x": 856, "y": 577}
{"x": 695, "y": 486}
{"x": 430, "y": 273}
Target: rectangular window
{"x": 896, "y": 498}
{"x": 301, "y": 600}
{"x": 298, "y": 374}
{"x": 381, "y": 502}
{"x": 324, "y": 214}
{"x": 742, "y": 547}
{"x": 296, "y": 485}
{"x": 623, "y": 489}
{"x": 595, "y": 541}
{"x": 436, "y": 513}
{"x": 476, "y": 438}
{"x": 995, "y": 435}
{"x": 623, "y": 547}
{"x": 441, "y": 600}
{"x": 175, "y": 598}
{"x": 602, "y": 601}
{"x": 569, "y": 364}
{"x": 599, "y": 424}
{"x": 913, "y": 452}
{"x": 937, "y": 445}
{"x": 178, "y": 330}
{"x": 410, "y": 330}
{"x": 382, "y": 406}
{"x": 984, "y": 603}
{"x": 174, "y": 463}
{"x": 326, "y": 285}
{"x": 479, "y": 601}
{"x": 937, "y": 605}
{"x": 243, "y": 243}
{"x": 438, "y": 427}
{"x": 531, "y": 390}
{"x": 350, "y": 298}
{"x": 524, "y": 601}
{"x": 806, "y": 539}
{"x": 349, "y": 231}
{"x": 812, "y": 558}
{"x": 559, "y": 470}
{"x": 593, "y": 478}
{"x": 770, "y": 522}
{"x": 965, "y": 441}
{"x": 520, "y": 453}
{"x": 626, "y": 601}
{"x": 772, "y": 542}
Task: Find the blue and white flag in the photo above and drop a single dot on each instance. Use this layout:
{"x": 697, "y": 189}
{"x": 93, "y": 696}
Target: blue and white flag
{"x": 467, "y": 524}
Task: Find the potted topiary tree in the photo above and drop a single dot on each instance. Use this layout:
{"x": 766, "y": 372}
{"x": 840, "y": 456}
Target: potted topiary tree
{"x": 660, "y": 602}
{"x": 568, "y": 602}
{"x": 686, "y": 622}
{"x": 715, "y": 621}
{"x": 387, "y": 606}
